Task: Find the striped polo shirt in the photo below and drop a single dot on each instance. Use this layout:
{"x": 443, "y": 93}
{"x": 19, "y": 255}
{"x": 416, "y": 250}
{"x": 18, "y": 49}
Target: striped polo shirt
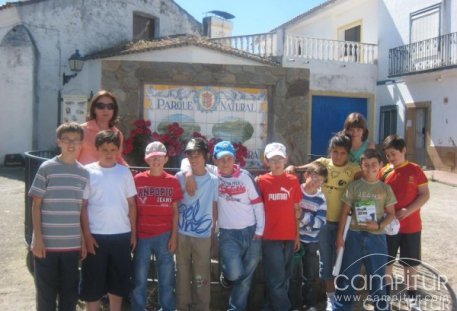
{"x": 61, "y": 186}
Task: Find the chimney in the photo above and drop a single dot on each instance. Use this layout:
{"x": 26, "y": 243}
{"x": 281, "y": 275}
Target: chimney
{"x": 217, "y": 27}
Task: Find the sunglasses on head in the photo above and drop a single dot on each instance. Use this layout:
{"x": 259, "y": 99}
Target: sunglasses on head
{"x": 109, "y": 106}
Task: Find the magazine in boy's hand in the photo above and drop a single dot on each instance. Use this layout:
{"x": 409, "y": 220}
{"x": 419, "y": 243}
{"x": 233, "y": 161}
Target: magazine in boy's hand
{"x": 365, "y": 211}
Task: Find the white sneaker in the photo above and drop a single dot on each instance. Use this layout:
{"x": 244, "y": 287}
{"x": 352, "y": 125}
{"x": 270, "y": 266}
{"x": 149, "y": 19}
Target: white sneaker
{"x": 414, "y": 304}
{"x": 311, "y": 309}
{"x": 330, "y": 303}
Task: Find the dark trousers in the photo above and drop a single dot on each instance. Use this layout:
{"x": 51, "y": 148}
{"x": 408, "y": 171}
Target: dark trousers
{"x": 57, "y": 278}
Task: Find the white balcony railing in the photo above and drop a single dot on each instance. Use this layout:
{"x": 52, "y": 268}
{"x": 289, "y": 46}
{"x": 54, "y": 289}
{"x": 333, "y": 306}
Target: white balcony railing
{"x": 264, "y": 44}
{"x": 268, "y": 45}
{"x": 330, "y": 50}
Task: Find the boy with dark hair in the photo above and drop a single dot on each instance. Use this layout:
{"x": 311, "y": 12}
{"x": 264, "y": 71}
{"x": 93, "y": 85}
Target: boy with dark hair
{"x": 241, "y": 221}
{"x": 197, "y": 223}
{"x": 410, "y": 186}
{"x": 314, "y": 212}
{"x": 157, "y": 202}
{"x": 281, "y": 196}
{"x": 57, "y": 192}
{"x": 366, "y": 199}
{"x": 109, "y": 226}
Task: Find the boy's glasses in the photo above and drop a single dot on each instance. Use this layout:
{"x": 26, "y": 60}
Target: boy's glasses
{"x": 68, "y": 141}
{"x": 109, "y": 106}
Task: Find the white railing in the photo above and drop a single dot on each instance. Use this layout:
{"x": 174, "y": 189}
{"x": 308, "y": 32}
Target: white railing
{"x": 263, "y": 44}
{"x": 332, "y": 50}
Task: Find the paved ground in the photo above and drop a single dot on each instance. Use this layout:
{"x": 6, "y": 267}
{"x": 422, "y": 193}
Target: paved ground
{"x": 16, "y": 284}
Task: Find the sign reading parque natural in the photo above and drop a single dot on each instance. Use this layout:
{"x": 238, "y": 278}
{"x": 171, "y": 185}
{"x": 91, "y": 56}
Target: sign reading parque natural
{"x": 228, "y": 113}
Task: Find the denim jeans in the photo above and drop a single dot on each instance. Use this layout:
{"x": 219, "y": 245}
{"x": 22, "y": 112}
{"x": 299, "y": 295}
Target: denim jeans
{"x": 277, "y": 260}
{"x": 240, "y": 255}
{"x": 371, "y": 250}
{"x": 157, "y": 246}
{"x": 327, "y": 250}
{"x": 311, "y": 273}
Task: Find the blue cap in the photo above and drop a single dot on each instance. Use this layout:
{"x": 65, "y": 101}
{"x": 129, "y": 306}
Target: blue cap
{"x": 224, "y": 148}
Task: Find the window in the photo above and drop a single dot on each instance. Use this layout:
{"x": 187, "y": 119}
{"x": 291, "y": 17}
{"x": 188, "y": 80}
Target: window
{"x": 352, "y": 34}
{"x": 388, "y": 122}
{"x": 425, "y": 24}
{"x": 144, "y": 27}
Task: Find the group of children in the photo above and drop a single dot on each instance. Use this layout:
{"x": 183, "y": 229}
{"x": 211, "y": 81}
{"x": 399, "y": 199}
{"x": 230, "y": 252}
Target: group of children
{"x": 100, "y": 214}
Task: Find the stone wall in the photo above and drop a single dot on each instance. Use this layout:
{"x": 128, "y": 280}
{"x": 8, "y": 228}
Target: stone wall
{"x": 288, "y": 90}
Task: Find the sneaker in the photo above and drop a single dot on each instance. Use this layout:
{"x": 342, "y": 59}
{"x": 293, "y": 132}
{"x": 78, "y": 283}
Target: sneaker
{"x": 224, "y": 282}
{"x": 414, "y": 304}
{"x": 330, "y": 303}
{"x": 368, "y": 305}
{"x": 311, "y": 309}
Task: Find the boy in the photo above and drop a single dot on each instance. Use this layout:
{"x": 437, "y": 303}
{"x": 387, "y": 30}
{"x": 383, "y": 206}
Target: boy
{"x": 157, "y": 228}
{"x": 410, "y": 186}
{"x": 241, "y": 221}
{"x": 340, "y": 173}
{"x": 314, "y": 211}
{"x": 197, "y": 221}
{"x": 281, "y": 196}
{"x": 367, "y": 199}
{"x": 109, "y": 226}
{"x": 57, "y": 192}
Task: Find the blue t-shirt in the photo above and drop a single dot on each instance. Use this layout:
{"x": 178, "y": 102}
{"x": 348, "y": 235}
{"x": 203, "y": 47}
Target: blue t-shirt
{"x": 196, "y": 212}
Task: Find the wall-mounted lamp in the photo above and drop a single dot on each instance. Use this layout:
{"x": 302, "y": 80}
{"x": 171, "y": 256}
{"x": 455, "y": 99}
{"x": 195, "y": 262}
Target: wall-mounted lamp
{"x": 76, "y": 63}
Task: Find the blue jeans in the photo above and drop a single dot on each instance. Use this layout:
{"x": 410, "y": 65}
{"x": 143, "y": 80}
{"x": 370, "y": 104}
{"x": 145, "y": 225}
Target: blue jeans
{"x": 240, "y": 255}
{"x": 327, "y": 250}
{"x": 370, "y": 249}
{"x": 157, "y": 246}
{"x": 277, "y": 260}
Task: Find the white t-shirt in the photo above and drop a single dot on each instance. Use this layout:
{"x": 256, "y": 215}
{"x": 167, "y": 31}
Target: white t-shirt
{"x": 108, "y": 191}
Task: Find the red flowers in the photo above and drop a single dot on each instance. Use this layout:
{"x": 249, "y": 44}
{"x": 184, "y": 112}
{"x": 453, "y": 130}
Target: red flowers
{"x": 141, "y": 136}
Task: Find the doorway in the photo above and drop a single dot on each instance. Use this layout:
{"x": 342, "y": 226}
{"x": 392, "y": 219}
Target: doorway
{"x": 418, "y": 133}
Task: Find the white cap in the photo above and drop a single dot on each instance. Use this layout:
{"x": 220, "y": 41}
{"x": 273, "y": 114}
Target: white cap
{"x": 156, "y": 148}
{"x": 393, "y": 228}
{"x": 275, "y": 149}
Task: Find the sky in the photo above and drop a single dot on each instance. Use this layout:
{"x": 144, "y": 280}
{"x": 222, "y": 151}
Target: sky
{"x": 251, "y": 16}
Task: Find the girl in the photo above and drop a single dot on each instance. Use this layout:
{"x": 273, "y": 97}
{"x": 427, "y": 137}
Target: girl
{"x": 355, "y": 126}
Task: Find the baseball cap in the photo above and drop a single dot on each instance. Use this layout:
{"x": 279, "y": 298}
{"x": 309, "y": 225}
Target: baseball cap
{"x": 156, "y": 148}
{"x": 275, "y": 149}
{"x": 197, "y": 144}
{"x": 393, "y": 228}
{"x": 223, "y": 148}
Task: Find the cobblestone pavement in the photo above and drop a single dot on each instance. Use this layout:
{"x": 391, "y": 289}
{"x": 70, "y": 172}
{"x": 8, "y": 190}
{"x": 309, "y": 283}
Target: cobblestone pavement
{"x": 16, "y": 284}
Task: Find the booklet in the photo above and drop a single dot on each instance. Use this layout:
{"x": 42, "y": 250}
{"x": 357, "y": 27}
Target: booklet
{"x": 365, "y": 211}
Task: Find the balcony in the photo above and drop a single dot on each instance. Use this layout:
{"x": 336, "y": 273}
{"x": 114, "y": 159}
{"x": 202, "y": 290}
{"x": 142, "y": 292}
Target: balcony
{"x": 422, "y": 56}
{"x": 300, "y": 47}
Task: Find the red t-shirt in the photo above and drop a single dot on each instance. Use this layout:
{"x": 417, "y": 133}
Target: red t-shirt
{"x": 279, "y": 194}
{"x": 154, "y": 201}
{"x": 405, "y": 181}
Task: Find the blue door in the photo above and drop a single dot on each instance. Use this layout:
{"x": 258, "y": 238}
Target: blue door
{"x": 328, "y": 115}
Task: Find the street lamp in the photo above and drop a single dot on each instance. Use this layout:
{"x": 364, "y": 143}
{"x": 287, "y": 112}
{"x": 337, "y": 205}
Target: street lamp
{"x": 76, "y": 63}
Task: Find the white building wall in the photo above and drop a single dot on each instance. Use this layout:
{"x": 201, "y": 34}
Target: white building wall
{"x": 16, "y": 89}
{"x": 325, "y": 23}
{"x": 334, "y": 76}
{"x": 58, "y": 27}
{"x": 433, "y": 87}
